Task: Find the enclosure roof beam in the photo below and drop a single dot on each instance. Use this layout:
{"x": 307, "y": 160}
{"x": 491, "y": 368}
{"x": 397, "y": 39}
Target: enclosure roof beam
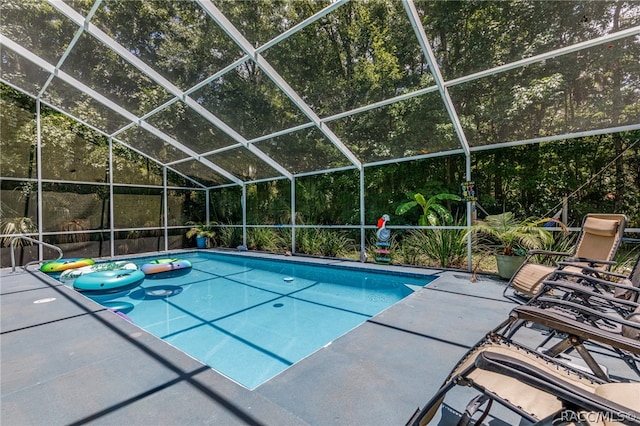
{"x": 191, "y": 153}
{"x": 66, "y": 78}
{"x": 246, "y": 46}
{"x": 159, "y": 79}
{"x": 105, "y": 39}
{"x": 70, "y": 80}
{"x": 574, "y": 135}
{"x": 110, "y": 104}
{"x": 381, "y": 103}
{"x": 70, "y": 47}
{"x": 305, "y": 23}
{"x": 547, "y": 55}
{"x": 414, "y": 18}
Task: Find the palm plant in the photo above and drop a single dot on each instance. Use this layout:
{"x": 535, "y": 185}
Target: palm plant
{"x": 201, "y": 230}
{"x": 12, "y": 226}
{"x": 514, "y": 237}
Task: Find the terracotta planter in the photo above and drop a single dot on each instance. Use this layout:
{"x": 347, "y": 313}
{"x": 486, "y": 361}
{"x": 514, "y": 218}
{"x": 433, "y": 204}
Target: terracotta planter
{"x": 508, "y": 265}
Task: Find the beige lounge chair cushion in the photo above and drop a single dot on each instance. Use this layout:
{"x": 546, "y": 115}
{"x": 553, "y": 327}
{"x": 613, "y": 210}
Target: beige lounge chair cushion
{"x": 539, "y": 404}
{"x": 528, "y": 279}
{"x": 536, "y": 402}
{"x": 598, "y": 248}
{"x": 602, "y": 227}
{"x": 625, "y": 394}
{"x": 632, "y": 333}
{"x": 598, "y": 239}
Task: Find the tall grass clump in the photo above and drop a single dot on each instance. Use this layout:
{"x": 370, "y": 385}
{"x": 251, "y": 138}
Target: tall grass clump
{"x": 265, "y": 239}
{"x": 435, "y": 247}
{"x": 446, "y": 246}
{"x": 407, "y": 249}
{"x": 229, "y": 236}
{"x": 323, "y": 242}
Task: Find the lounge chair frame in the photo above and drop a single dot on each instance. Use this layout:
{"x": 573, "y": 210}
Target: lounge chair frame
{"x": 578, "y": 325}
{"x": 545, "y": 387}
{"x": 617, "y": 285}
{"x": 597, "y": 229}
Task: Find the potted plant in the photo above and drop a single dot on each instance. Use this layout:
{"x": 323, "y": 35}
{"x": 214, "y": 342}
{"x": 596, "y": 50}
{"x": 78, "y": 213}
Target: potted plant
{"x": 511, "y": 238}
{"x": 203, "y": 233}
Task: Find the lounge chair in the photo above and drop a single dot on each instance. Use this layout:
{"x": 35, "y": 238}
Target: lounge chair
{"x": 534, "y": 386}
{"x": 602, "y": 290}
{"x": 581, "y": 328}
{"x": 620, "y": 286}
{"x": 597, "y": 244}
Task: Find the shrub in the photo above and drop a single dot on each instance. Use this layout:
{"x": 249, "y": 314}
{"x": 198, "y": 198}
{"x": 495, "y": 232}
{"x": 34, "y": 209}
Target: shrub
{"x": 265, "y": 239}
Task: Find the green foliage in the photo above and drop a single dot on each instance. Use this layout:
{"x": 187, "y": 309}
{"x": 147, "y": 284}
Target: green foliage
{"x": 265, "y": 239}
{"x": 12, "y": 226}
{"x": 269, "y": 202}
{"x": 323, "y": 242}
{"x": 447, "y": 246}
{"x": 359, "y": 53}
{"x": 531, "y": 180}
{"x": 225, "y": 204}
{"x": 329, "y": 199}
{"x": 201, "y": 230}
{"x": 432, "y": 211}
{"x": 229, "y": 236}
{"x": 626, "y": 257}
{"x": 512, "y": 235}
{"x": 561, "y": 242}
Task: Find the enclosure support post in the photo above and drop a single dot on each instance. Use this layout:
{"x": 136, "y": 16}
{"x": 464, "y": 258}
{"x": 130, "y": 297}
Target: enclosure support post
{"x": 470, "y": 207}
{"x": 39, "y": 171}
{"x": 112, "y": 234}
{"x": 293, "y": 215}
{"x": 244, "y": 214}
{"x": 207, "y": 210}
{"x": 165, "y": 201}
{"x": 363, "y": 248}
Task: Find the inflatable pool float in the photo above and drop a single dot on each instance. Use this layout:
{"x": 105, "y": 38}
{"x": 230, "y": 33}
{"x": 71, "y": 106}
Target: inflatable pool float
{"x": 71, "y": 274}
{"x": 108, "y": 280}
{"x": 121, "y": 315}
{"x": 64, "y": 264}
{"x": 120, "y": 306}
{"x": 164, "y": 265}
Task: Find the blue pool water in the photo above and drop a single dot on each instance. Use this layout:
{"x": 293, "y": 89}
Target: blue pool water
{"x": 249, "y": 318}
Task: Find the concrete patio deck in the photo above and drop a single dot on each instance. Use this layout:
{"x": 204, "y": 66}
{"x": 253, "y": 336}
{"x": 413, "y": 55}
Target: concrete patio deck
{"x": 67, "y": 360}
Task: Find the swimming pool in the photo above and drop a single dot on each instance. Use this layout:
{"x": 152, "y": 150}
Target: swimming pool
{"x": 250, "y": 319}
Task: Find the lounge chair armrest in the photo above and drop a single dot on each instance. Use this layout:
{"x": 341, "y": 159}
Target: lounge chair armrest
{"x": 549, "y": 302}
{"x": 548, "y": 253}
{"x": 588, "y": 270}
{"x": 586, "y": 279}
{"x": 564, "y": 323}
{"x": 573, "y": 260}
{"x": 593, "y": 288}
